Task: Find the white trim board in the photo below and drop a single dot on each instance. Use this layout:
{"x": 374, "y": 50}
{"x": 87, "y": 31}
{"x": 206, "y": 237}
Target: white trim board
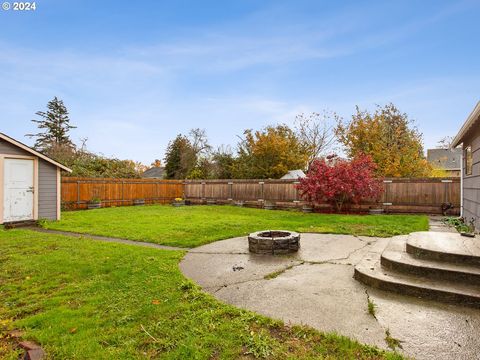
{"x": 33, "y": 152}
{"x": 471, "y": 120}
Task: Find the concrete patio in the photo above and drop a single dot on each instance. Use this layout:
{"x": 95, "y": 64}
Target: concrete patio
{"x": 316, "y": 287}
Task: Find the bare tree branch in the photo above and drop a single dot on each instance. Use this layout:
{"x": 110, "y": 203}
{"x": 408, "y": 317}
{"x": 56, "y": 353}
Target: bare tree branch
{"x": 316, "y": 131}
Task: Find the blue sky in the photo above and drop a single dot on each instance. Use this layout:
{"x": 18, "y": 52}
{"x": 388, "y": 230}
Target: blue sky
{"x": 133, "y": 74}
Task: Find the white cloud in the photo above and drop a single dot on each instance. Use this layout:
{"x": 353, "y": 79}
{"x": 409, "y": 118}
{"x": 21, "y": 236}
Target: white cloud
{"x": 131, "y": 102}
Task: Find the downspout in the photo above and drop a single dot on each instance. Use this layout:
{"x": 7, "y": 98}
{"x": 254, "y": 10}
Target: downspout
{"x": 462, "y": 174}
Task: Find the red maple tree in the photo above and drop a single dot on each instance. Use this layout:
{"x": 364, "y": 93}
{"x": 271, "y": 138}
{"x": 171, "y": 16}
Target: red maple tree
{"x": 338, "y": 182}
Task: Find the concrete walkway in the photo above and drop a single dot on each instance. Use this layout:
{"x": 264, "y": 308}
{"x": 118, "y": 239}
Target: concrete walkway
{"x": 436, "y": 224}
{"x": 106, "y": 238}
{"x": 315, "y": 287}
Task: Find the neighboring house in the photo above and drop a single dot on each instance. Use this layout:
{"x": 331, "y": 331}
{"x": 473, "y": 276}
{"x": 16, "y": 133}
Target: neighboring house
{"x": 469, "y": 138}
{"x": 293, "y": 174}
{"x": 154, "y": 173}
{"x": 446, "y": 160}
{"x": 29, "y": 183}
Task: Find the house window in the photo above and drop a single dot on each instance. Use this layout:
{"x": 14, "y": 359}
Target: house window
{"x": 468, "y": 160}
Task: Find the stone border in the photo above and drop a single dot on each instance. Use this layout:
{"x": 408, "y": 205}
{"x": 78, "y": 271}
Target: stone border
{"x": 258, "y": 243}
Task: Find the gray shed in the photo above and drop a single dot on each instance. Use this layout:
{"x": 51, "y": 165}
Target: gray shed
{"x": 29, "y": 183}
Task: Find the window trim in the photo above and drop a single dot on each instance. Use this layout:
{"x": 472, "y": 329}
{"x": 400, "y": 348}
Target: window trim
{"x": 468, "y": 156}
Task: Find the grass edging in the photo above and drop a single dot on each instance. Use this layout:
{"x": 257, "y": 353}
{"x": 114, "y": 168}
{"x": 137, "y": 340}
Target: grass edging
{"x": 191, "y": 226}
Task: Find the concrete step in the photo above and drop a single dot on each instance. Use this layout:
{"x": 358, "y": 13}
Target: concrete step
{"x": 370, "y": 272}
{"x": 447, "y": 247}
{"x": 19, "y": 224}
{"x": 395, "y": 258}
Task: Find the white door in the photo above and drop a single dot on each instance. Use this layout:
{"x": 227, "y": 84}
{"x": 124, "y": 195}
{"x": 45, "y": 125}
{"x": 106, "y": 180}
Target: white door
{"x": 18, "y": 190}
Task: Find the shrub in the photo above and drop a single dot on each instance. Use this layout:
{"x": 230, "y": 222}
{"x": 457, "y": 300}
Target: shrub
{"x": 338, "y": 182}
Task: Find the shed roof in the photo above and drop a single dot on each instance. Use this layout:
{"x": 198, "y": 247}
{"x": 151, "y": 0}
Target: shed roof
{"x": 448, "y": 159}
{"x": 154, "y": 172}
{"x": 293, "y": 174}
{"x": 472, "y": 120}
{"x": 33, "y": 152}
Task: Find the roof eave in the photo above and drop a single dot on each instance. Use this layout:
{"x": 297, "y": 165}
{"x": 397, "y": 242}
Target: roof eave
{"x": 469, "y": 123}
{"x": 34, "y": 152}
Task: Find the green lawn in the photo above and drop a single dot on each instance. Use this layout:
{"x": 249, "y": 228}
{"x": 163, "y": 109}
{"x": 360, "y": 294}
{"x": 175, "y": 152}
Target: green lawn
{"x": 83, "y": 299}
{"x": 191, "y": 226}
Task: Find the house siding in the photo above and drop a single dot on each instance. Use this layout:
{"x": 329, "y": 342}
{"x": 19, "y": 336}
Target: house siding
{"x": 471, "y": 183}
{"x": 47, "y": 181}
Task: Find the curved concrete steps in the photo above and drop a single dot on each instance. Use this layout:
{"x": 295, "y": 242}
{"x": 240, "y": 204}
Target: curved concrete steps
{"x": 439, "y": 275}
{"x": 446, "y": 247}
{"x": 405, "y": 263}
{"x": 373, "y": 274}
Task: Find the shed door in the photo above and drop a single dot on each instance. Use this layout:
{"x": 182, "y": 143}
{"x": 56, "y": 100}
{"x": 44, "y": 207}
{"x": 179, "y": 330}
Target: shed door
{"x": 18, "y": 190}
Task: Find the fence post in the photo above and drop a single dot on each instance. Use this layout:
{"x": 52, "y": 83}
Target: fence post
{"x": 262, "y": 195}
{"x": 230, "y": 191}
{"x": 123, "y": 195}
{"x": 295, "y": 183}
{"x": 203, "y": 190}
{"x": 78, "y": 194}
{"x": 446, "y": 186}
{"x": 386, "y": 201}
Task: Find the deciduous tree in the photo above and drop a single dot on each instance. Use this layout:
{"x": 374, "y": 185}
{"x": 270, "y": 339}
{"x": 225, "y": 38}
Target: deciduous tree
{"x": 389, "y": 137}
{"x": 223, "y": 163}
{"x": 269, "y": 153}
{"x": 156, "y": 163}
{"x": 316, "y": 132}
{"x": 445, "y": 142}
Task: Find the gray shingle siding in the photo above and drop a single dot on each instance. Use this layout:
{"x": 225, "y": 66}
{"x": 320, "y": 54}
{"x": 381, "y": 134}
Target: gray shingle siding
{"x": 47, "y": 190}
{"x": 471, "y": 183}
{"x": 9, "y": 149}
{"x": 47, "y": 181}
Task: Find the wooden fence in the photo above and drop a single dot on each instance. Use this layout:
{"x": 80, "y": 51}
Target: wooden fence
{"x": 400, "y": 195}
{"x": 77, "y": 192}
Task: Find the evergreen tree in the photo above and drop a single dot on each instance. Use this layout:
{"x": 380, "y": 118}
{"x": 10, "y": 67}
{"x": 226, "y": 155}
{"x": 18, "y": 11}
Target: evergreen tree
{"x": 180, "y": 158}
{"x": 55, "y": 126}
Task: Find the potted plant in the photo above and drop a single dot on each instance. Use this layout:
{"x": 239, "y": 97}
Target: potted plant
{"x": 446, "y": 207}
{"x": 178, "y": 202}
{"x": 308, "y": 207}
{"x": 376, "y": 210}
{"x": 269, "y": 205}
{"x": 468, "y": 229}
{"x": 138, "y": 202}
{"x": 94, "y": 203}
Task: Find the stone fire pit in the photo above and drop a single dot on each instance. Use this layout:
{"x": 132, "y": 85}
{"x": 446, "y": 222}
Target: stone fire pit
{"x": 273, "y": 242}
